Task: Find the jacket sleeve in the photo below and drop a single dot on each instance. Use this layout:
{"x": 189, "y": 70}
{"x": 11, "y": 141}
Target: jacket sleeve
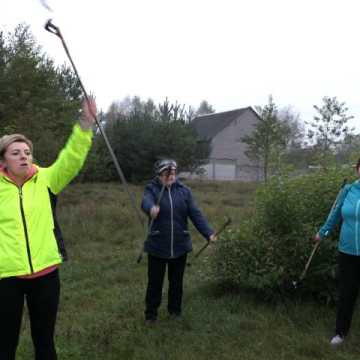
{"x": 70, "y": 159}
{"x": 197, "y": 218}
{"x": 148, "y": 200}
{"x": 334, "y": 216}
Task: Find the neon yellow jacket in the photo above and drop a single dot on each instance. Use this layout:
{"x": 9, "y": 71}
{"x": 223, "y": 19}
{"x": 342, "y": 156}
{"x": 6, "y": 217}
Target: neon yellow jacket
{"x": 27, "y": 230}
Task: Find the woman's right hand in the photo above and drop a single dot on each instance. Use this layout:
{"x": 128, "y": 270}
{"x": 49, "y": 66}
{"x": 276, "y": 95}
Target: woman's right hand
{"x": 154, "y": 211}
{"x": 317, "y": 237}
{"x": 88, "y": 114}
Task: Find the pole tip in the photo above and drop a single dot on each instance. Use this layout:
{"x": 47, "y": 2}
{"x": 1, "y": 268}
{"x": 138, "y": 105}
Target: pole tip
{"x": 138, "y": 261}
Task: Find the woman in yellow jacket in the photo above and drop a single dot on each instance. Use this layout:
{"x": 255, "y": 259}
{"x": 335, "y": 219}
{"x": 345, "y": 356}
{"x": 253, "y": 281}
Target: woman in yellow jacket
{"x": 31, "y": 248}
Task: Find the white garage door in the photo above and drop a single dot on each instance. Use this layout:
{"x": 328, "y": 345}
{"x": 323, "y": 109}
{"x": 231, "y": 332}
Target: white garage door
{"x": 225, "y": 172}
{"x": 209, "y": 171}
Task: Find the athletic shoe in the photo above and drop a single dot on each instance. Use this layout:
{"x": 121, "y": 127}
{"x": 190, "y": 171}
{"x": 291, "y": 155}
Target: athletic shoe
{"x": 336, "y": 340}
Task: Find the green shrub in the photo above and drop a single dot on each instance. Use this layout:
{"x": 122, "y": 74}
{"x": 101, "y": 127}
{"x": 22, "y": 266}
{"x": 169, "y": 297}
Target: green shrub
{"x": 270, "y": 250}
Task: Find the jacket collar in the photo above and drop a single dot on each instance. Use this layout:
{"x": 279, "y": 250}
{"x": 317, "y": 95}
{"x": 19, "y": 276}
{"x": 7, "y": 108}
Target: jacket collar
{"x": 32, "y": 171}
{"x": 157, "y": 182}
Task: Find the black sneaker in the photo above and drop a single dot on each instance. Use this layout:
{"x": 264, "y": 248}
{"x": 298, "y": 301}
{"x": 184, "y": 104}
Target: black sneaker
{"x": 174, "y": 316}
{"x": 150, "y": 322}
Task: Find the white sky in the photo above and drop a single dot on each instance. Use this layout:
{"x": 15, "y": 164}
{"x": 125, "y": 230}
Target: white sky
{"x": 233, "y": 53}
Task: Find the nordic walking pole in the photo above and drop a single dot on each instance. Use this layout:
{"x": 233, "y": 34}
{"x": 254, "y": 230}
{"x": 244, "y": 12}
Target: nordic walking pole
{"x": 296, "y": 283}
{"x": 150, "y": 225}
{"x": 303, "y": 274}
{"x": 218, "y": 232}
{"x": 49, "y": 26}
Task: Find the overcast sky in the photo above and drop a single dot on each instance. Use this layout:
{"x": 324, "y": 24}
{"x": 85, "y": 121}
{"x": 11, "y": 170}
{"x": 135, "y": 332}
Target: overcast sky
{"x": 233, "y": 53}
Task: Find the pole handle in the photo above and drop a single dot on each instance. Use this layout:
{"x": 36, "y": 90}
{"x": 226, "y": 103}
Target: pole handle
{"x": 50, "y": 27}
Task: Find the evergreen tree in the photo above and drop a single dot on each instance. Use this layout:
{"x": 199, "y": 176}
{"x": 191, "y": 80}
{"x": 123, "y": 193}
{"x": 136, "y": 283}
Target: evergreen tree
{"x": 37, "y": 98}
{"x": 328, "y": 128}
{"x": 142, "y": 136}
{"x": 268, "y": 139}
{"x": 204, "y": 108}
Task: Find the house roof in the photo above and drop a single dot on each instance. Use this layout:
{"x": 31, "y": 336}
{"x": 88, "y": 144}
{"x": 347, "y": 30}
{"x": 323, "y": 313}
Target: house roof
{"x": 207, "y": 126}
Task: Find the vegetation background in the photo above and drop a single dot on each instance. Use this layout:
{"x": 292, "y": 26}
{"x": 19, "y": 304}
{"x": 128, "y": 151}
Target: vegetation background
{"x": 102, "y": 299}
{"x": 230, "y": 307}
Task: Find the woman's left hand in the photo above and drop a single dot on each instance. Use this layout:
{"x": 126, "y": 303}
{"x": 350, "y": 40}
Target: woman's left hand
{"x": 317, "y": 238}
{"x": 87, "y": 119}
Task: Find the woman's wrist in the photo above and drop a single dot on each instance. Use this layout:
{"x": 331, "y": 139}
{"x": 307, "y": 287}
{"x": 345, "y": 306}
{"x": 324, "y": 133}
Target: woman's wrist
{"x": 85, "y": 125}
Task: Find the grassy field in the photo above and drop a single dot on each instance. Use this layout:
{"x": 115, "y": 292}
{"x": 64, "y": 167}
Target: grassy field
{"x": 102, "y": 300}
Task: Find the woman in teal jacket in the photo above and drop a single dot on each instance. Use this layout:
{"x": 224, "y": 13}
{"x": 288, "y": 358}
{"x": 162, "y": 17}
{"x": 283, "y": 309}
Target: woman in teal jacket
{"x": 347, "y": 209}
{"x": 31, "y": 248}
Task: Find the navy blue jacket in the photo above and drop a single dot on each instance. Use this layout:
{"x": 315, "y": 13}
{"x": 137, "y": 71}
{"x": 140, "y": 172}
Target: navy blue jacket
{"x": 169, "y": 236}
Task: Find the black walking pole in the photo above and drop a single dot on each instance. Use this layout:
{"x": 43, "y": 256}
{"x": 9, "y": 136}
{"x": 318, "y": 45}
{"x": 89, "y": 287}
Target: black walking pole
{"x": 217, "y": 233}
{"x": 297, "y": 283}
{"x": 150, "y": 225}
{"x": 148, "y": 231}
{"x": 49, "y": 26}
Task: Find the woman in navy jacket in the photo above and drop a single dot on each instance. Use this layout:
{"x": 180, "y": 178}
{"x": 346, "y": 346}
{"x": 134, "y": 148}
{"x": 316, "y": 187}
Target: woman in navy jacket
{"x": 169, "y": 204}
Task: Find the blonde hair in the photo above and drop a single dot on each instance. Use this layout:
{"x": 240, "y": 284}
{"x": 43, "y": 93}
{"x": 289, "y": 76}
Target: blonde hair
{"x": 7, "y": 140}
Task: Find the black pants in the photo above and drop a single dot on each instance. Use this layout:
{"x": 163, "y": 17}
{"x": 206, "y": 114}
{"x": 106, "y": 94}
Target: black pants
{"x": 42, "y": 298}
{"x": 156, "y": 274}
{"x": 349, "y": 282}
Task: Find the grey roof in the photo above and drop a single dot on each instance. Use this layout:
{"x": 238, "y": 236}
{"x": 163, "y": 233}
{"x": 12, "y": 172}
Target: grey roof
{"x": 207, "y": 126}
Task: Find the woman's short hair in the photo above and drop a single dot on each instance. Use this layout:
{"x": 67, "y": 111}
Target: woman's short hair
{"x": 7, "y": 140}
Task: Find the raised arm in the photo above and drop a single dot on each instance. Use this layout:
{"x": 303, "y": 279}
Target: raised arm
{"x": 73, "y": 155}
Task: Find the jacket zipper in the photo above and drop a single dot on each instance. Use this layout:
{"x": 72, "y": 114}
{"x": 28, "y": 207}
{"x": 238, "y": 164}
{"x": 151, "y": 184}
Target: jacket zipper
{"x": 25, "y": 229}
{"x": 357, "y": 227}
{"x": 172, "y": 224}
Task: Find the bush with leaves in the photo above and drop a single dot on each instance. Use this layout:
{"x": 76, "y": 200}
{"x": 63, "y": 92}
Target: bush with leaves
{"x": 269, "y": 251}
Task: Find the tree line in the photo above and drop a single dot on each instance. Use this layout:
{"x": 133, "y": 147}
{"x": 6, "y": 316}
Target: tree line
{"x": 140, "y": 133}
{"x": 280, "y": 141}
{"x": 42, "y": 101}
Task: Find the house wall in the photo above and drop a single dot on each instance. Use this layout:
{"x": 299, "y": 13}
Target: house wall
{"x": 228, "y": 145}
{"x": 227, "y": 159}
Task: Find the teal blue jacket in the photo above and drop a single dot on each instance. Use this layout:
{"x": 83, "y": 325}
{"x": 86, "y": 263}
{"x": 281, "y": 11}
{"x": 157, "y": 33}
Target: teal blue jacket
{"x": 347, "y": 209}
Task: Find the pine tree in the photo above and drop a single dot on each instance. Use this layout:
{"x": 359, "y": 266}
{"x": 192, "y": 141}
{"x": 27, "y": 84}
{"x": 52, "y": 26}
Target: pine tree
{"x": 37, "y": 98}
{"x": 329, "y": 127}
{"x": 268, "y": 138}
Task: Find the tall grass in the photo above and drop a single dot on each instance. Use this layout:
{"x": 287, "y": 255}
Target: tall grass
{"x": 102, "y": 296}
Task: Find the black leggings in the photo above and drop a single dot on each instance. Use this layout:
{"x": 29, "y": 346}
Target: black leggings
{"x": 156, "y": 274}
{"x": 349, "y": 283}
{"x": 42, "y": 298}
